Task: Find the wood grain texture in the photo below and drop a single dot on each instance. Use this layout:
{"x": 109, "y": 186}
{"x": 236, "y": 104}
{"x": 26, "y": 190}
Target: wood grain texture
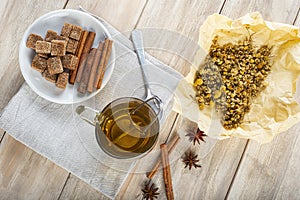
{"x": 26, "y": 175}
{"x": 1, "y": 133}
{"x": 77, "y": 189}
{"x": 170, "y": 29}
{"x": 123, "y": 15}
{"x": 219, "y": 160}
{"x": 271, "y": 10}
{"x": 15, "y": 19}
{"x": 297, "y": 19}
{"x": 271, "y": 171}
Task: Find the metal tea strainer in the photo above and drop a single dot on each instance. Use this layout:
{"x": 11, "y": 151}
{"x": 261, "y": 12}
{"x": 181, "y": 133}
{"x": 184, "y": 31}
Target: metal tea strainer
{"x": 137, "y": 40}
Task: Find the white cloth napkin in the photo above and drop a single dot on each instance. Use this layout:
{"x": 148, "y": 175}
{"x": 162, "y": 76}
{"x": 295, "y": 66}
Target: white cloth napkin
{"x": 56, "y": 132}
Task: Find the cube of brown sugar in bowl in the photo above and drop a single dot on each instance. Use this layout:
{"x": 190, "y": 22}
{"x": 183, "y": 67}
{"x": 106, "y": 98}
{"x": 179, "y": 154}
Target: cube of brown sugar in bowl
{"x": 43, "y": 47}
{"x": 70, "y": 61}
{"x": 54, "y": 65}
{"x": 62, "y": 80}
{"x": 76, "y": 32}
{"x": 49, "y": 77}
{"x": 72, "y": 46}
{"x": 51, "y": 35}
{"x": 58, "y": 47}
{"x": 39, "y": 63}
{"x": 66, "y": 29}
{"x": 32, "y": 39}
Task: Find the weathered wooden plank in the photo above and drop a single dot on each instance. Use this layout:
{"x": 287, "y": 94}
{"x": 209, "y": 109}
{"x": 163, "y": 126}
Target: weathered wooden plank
{"x": 297, "y": 19}
{"x": 123, "y": 15}
{"x": 77, "y": 189}
{"x": 271, "y": 171}
{"x": 219, "y": 165}
{"x": 25, "y": 174}
{"x": 1, "y": 133}
{"x": 170, "y": 29}
{"x": 13, "y": 22}
{"x": 279, "y": 11}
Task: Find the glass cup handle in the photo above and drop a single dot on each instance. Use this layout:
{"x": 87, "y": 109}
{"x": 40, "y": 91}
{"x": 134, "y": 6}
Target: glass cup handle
{"x": 87, "y": 114}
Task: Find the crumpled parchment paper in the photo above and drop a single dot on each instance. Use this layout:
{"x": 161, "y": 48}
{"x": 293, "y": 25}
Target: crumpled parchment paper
{"x": 275, "y": 110}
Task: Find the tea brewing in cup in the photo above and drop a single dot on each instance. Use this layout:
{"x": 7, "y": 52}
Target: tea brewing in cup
{"x": 126, "y": 128}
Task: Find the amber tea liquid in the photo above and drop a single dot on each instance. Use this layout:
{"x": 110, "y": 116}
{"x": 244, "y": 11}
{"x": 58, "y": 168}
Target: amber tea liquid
{"x": 121, "y": 134}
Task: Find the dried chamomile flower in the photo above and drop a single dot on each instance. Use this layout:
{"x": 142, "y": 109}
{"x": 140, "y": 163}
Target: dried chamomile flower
{"x": 230, "y": 77}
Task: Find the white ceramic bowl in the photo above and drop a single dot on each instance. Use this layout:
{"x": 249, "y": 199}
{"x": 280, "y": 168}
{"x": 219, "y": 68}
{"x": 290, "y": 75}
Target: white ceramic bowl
{"x": 54, "y": 20}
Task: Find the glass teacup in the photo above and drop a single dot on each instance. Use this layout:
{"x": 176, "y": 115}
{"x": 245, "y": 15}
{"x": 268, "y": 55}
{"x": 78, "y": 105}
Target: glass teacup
{"x": 127, "y": 127}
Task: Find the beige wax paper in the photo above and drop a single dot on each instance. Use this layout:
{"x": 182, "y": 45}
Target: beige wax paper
{"x": 275, "y": 109}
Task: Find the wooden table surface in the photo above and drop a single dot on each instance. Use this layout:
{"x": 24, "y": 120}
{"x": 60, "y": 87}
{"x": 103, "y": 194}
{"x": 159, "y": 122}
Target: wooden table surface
{"x": 233, "y": 169}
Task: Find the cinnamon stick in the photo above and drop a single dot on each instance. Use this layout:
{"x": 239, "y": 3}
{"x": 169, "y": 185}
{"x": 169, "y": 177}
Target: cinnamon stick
{"x": 87, "y": 46}
{"x": 78, "y": 54}
{"x": 90, "y": 86}
{"x": 166, "y": 171}
{"x": 105, "y": 58}
{"x": 86, "y": 71}
{"x": 101, "y": 63}
{"x": 171, "y": 145}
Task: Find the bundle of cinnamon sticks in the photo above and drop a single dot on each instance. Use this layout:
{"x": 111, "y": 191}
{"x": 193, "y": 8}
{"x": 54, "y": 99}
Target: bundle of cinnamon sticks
{"x": 92, "y": 63}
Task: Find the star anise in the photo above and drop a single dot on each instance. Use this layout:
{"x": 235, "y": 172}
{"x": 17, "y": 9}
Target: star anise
{"x": 196, "y": 137}
{"x": 191, "y": 160}
{"x": 150, "y": 191}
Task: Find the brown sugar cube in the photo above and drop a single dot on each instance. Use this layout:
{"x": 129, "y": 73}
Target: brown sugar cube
{"x": 66, "y": 29}
{"x": 70, "y": 61}
{"x": 58, "y": 47}
{"x": 32, "y": 39}
{"x": 60, "y": 37}
{"x": 39, "y": 63}
{"x": 54, "y": 65}
{"x": 43, "y": 55}
{"x": 63, "y": 38}
{"x": 62, "y": 80}
{"x": 72, "y": 46}
{"x": 43, "y": 47}
{"x": 76, "y": 32}
{"x": 49, "y": 77}
{"x": 51, "y": 35}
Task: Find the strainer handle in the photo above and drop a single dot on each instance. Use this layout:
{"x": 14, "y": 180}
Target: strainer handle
{"x": 137, "y": 39}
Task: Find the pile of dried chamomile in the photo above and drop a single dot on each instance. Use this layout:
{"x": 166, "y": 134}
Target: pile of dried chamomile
{"x": 230, "y": 77}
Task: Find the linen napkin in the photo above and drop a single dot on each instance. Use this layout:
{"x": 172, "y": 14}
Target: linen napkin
{"x": 56, "y": 132}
